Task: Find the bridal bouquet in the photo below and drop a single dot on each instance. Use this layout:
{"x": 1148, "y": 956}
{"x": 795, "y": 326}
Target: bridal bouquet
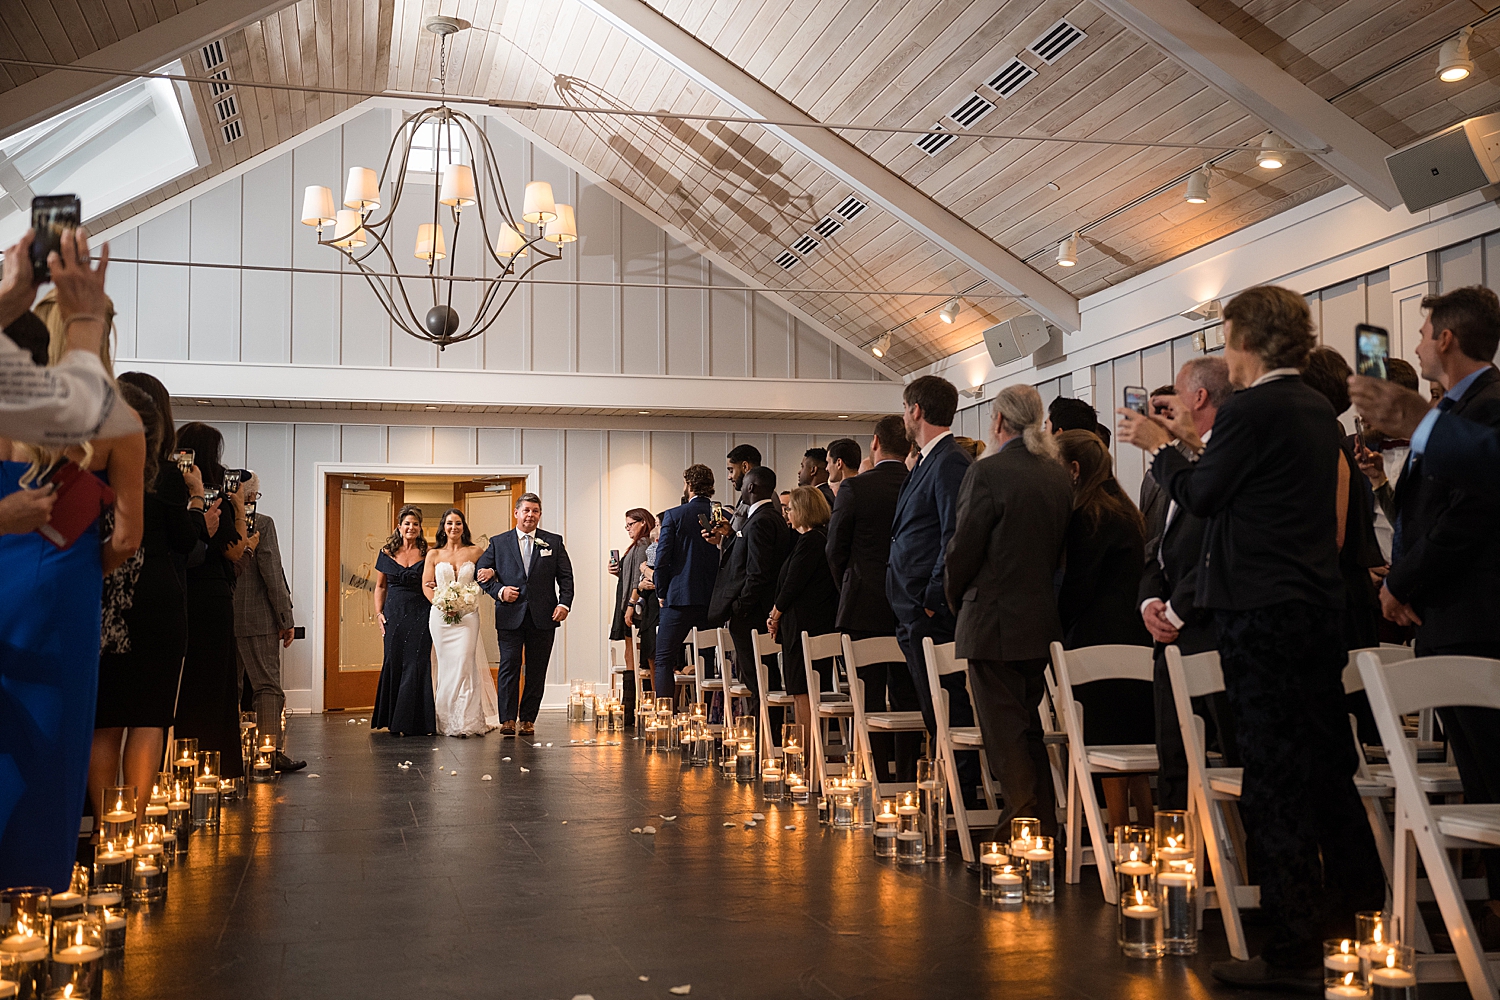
{"x": 456, "y": 599}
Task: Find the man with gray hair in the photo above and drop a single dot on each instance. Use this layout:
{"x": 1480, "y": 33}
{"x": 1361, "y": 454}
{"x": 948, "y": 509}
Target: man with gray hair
{"x": 1012, "y": 525}
{"x": 263, "y": 625}
{"x": 1168, "y": 585}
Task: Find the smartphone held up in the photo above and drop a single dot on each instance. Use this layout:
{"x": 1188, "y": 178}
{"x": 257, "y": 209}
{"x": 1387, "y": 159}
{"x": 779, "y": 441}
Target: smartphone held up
{"x": 1372, "y": 346}
{"x": 51, "y": 216}
{"x": 1137, "y": 399}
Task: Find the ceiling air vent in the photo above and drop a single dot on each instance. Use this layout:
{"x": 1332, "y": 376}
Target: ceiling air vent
{"x": 213, "y": 54}
{"x": 850, "y": 207}
{"x": 806, "y": 245}
{"x": 972, "y": 110}
{"x": 223, "y": 87}
{"x": 935, "y": 141}
{"x": 1010, "y": 78}
{"x": 1055, "y": 42}
{"x": 787, "y": 260}
{"x": 828, "y": 227}
{"x": 232, "y": 131}
{"x": 227, "y": 108}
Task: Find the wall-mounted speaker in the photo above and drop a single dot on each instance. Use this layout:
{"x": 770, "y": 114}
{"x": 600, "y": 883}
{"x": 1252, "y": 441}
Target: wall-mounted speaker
{"x": 1455, "y": 161}
{"x": 1016, "y": 338}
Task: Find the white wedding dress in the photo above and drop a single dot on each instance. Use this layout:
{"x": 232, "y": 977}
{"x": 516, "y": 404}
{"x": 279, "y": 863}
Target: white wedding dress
{"x": 462, "y": 689}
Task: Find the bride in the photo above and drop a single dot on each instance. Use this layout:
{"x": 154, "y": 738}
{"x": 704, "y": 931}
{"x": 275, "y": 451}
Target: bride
{"x": 463, "y": 690}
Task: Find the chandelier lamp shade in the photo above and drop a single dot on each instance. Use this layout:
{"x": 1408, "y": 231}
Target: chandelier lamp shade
{"x": 463, "y": 205}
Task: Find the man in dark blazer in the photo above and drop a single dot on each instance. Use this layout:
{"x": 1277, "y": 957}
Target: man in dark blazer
{"x": 859, "y": 549}
{"x": 749, "y": 564}
{"x": 1266, "y": 487}
{"x": 528, "y": 573}
{"x": 926, "y": 512}
{"x": 686, "y": 565}
{"x": 813, "y": 471}
{"x": 1445, "y": 570}
{"x": 1168, "y": 597}
{"x": 1012, "y": 527}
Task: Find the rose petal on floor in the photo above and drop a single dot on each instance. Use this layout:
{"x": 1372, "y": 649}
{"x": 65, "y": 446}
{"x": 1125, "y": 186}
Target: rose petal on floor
{"x": 525, "y": 770}
{"x": 757, "y": 815}
{"x": 635, "y": 829}
{"x": 648, "y": 829}
{"x": 681, "y": 991}
{"x": 486, "y": 778}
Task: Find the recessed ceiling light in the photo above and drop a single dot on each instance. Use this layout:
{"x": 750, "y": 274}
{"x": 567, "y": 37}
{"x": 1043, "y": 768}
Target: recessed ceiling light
{"x": 843, "y": 416}
{"x": 202, "y": 402}
{"x": 1052, "y": 186}
{"x": 1197, "y": 186}
{"x": 1270, "y": 156}
{"x": 1067, "y": 251}
{"x": 432, "y": 407}
{"x": 644, "y": 413}
{"x": 1454, "y": 63}
{"x": 950, "y": 312}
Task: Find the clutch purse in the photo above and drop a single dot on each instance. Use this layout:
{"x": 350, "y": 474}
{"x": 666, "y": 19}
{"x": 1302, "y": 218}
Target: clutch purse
{"x": 81, "y": 498}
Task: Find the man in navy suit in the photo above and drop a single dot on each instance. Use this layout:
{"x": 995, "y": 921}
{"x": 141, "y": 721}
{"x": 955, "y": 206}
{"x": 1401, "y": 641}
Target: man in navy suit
{"x": 926, "y": 512}
{"x": 686, "y": 564}
{"x": 527, "y": 571}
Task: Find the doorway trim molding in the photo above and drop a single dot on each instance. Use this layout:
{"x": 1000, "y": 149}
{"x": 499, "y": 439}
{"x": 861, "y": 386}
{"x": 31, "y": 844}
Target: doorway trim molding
{"x": 321, "y": 472}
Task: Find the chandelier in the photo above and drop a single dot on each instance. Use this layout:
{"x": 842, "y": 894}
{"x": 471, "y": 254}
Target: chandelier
{"x": 468, "y": 187}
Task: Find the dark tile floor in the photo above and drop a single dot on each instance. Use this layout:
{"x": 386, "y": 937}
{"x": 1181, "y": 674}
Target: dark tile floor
{"x": 372, "y": 881}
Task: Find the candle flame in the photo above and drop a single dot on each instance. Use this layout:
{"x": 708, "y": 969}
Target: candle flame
{"x": 1377, "y": 933}
{"x": 1390, "y": 959}
{"x": 1140, "y": 898}
{"x": 78, "y": 935}
{"x": 1135, "y": 854}
{"x": 1348, "y": 978}
{"x": 1171, "y": 841}
{"x": 1345, "y": 945}
{"x": 68, "y": 990}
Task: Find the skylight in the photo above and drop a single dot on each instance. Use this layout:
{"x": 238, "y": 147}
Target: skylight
{"x": 107, "y": 151}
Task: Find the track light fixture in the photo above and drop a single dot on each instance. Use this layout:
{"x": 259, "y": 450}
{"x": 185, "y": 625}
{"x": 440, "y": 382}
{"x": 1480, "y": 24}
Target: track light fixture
{"x": 882, "y": 346}
{"x": 950, "y": 312}
{"x": 1454, "y": 63}
{"x": 1271, "y": 156}
{"x": 1067, "y": 251}
{"x": 1197, "y": 186}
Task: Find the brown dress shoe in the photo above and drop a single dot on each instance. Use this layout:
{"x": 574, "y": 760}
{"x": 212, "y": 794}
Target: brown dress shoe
{"x": 528, "y": 729}
{"x": 507, "y": 729}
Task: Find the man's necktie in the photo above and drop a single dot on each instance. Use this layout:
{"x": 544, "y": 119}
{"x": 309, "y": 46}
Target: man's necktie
{"x": 526, "y": 552}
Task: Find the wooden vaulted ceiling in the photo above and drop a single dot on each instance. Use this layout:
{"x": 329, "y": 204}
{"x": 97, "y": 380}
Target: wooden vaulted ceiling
{"x": 743, "y": 194}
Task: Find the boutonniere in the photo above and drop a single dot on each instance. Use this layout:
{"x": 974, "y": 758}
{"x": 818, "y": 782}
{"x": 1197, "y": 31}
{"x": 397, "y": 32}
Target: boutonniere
{"x": 543, "y": 545}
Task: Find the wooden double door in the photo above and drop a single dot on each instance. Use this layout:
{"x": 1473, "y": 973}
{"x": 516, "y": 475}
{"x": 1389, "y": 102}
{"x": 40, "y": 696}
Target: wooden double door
{"x": 361, "y": 515}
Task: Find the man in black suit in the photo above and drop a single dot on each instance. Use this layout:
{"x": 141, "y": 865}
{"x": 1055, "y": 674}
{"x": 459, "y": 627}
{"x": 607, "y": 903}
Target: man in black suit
{"x": 686, "y": 565}
{"x": 844, "y": 456}
{"x": 859, "y": 549}
{"x": 1068, "y": 414}
{"x": 813, "y": 471}
{"x": 528, "y": 573}
{"x": 1012, "y": 526}
{"x": 749, "y": 563}
{"x": 740, "y": 460}
{"x": 926, "y": 513}
{"x": 1445, "y": 573}
{"x": 1152, "y": 501}
{"x": 1266, "y": 486}
{"x": 1167, "y": 594}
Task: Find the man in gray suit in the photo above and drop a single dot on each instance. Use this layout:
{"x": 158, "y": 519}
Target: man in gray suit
{"x": 263, "y": 626}
{"x": 1013, "y": 513}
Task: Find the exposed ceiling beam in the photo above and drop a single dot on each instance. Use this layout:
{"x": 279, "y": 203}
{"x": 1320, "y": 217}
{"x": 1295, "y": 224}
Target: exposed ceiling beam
{"x": 844, "y": 160}
{"x": 39, "y": 99}
{"x": 1225, "y": 62}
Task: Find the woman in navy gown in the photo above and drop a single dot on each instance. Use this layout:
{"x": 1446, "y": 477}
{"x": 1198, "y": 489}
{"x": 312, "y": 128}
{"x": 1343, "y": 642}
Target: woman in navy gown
{"x": 403, "y": 701}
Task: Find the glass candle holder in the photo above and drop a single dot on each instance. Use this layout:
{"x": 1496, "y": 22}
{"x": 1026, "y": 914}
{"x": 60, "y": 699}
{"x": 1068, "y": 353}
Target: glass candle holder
{"x": 25, "y": 937}
{"x": 911, "y": 841}
{"x": 590, "y": 704}
{"x": 863, "y": 789}
{"x": 728, "y": 749}
{"x": 1393, "y": 974}
{"x": 1370, "y": 933}
{"x": 745, "y": 760}
{"x": 684, "y": 744}
{"x": 118, "y": 812}
{"x": 112, "y": 861}
{"x": 149, "y": 874}
{"x": 1343, "y": 970}
{"x": 230, "y": 789}
{"x": 699, "y": 710}
{"x": 78, "y": 956}
{"x": 1133, "y": 859}
{"x": 1177, "y": 895}
{"x": 703, "y": 744}
{"x": 885, "y": 829}
{"x": 825, "y": 811}
{"x": 794, "y": 755}
{"x": 1174, "y": 837}
{"x": 107, "y": 906}
{"x": 772, "y": 783}
{"x": 617, "y": 716}
{"x": 185, "y": 760}
{"x": 993, "y": 858}
{"x": 1040, "y": 884}
{"x": 70, "y": 901}
{"x": 263, "y": 765}
{"x": 932, "y": 790}
{"x": 1022, "y": 830}
{"x": 745, "y": 729}
{"x": 1140, "y": 930}
{"x": 161, "y": 789}
{"x": 840, "y": 803}
{"x": 180, "y": 812}
{"x": 206, "y": 791}
{"x": 601, "y": 715}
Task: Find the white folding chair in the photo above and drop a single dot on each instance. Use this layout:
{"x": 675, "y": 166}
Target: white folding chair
{"x": 731, "y": 687}
{"x": 941, "y": 662}
{"x": 1080, "y": 666}
{"x": 766, "y": 646}
{"x": 827, "y": 707}
{"x": 863, "y": 653}
{"x": 703, "y": 685}
{"x": 1210, "y": 793}
{"x": 617, "y": 665}
{"x": 1395, "y": 689}
{"x": 1056, "y": 742}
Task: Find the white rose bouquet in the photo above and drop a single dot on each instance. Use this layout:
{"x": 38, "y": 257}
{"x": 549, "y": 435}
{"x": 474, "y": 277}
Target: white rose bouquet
{"x": 456, "y": 599}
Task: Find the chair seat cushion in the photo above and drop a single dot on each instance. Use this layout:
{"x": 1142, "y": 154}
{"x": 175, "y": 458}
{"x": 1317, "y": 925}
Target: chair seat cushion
{"x": 619, "y": 670}
{"x": 1226, "y": 780}
{"x": 713, "y": 684}
{"x": 895, "y": 721}
{"x": 1436, "y": 779}
{"x": 739, "y": 691}
{"x": 827, "y": 709}
{"x": 965, "y": 736}
{"x": 1479, "y": 823}
{"x": 1133, "y": 757}
{"x": 779, "y": 698}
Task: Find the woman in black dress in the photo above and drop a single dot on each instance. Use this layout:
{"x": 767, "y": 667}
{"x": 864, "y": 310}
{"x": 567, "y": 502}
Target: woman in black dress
{"x": 638, "y": 525}
{"x": 138, "y": 685}
{"x": 807, "y": 600}
{"x": 1099, "y": 605}
{"x": 403, "y": 701}
{"x": 208, "y": 704}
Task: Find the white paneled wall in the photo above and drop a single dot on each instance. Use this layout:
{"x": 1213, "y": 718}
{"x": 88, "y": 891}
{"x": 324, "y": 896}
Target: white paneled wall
{"x": 588, "y": 478}
{"x": 172, "y": 312}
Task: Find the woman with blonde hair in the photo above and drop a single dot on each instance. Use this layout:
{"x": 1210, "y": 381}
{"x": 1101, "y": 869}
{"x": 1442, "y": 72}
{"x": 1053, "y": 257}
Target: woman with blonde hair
{"x": 807, "y": 599}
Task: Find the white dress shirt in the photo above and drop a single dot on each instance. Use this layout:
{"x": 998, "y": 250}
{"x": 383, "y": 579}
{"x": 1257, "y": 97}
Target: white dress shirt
{"x": 526, "y": 542}
{"x": 71, "y": 401}
{"x": 927, "y": 448}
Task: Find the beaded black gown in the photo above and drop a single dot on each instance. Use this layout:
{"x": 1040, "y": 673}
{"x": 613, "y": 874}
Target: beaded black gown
{"x": 403, "y": 701}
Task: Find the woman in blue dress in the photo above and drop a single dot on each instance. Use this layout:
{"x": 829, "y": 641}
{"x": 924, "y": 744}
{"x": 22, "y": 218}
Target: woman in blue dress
{"x": 49, "y": 653}
{"x": 403, "y": 701}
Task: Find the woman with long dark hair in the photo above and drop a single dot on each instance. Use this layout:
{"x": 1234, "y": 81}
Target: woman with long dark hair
{"x": 1106, "y": 554}
{"x": 139, "y": 673}
{"x": 208, "y": 701}
{"x": 403, "y": 701}
{"x": 464, "y": 693}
